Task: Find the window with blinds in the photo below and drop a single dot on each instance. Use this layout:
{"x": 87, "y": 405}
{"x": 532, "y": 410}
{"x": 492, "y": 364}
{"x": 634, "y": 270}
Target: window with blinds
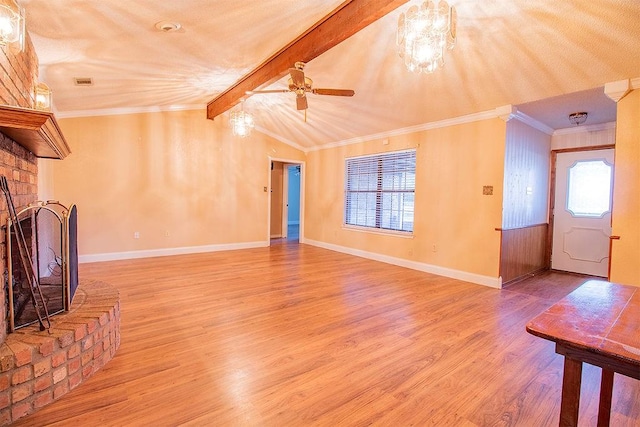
{"x": 380, "y": 191}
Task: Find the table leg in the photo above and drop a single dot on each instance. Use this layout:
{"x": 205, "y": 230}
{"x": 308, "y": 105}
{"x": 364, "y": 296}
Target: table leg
{"x": 570, "y": 392}
{"x": 606, "y": 391}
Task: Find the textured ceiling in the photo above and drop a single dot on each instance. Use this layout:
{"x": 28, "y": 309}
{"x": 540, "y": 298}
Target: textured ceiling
{"x": 548, "y": 58}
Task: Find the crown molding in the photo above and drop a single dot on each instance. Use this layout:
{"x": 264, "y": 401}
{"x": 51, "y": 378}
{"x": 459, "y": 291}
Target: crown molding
{"x": 281, "y": 139}
{"x": 618, "y": 89}
{"x": 522, "y": 117}
{"x": 506, "y": 112}
{"x": 128, "y": 110}
{"x": 469, "y": 118}
{"x": 588, "y": 128}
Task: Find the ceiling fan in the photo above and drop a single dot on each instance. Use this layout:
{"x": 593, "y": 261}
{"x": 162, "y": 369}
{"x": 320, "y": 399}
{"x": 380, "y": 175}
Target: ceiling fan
{"x": 300, "y": 85}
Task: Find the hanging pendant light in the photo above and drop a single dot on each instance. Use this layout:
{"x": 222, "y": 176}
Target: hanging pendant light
{"x": 241, "y": 122}
{"x": 424, "y": 33}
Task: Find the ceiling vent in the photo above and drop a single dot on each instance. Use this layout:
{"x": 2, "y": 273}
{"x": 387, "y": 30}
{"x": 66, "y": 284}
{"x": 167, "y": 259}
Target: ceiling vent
{"x": 83, "y": 81}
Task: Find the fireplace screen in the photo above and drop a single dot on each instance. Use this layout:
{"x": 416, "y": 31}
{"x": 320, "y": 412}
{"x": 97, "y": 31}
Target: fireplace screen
{"x": 50, "y": 231}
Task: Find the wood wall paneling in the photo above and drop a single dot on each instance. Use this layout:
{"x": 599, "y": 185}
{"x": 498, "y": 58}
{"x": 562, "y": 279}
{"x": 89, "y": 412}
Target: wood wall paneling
{"x": 524, "y": 251}
{"x": 526, "y": 176}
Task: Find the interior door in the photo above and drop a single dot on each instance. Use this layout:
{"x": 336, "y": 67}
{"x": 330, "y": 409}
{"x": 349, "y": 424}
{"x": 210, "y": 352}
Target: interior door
{"x": 582, "y": 212}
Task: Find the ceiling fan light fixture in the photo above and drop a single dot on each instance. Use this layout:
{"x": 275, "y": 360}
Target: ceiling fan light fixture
{"x": 578, "y": 118}
{"x": 241, "y": 122}
{"x": 300, "y": 84}
{"x": 424, "y": 33}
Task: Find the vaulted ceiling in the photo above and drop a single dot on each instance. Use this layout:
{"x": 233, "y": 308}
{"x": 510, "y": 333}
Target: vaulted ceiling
{"x": 548, "y": 58}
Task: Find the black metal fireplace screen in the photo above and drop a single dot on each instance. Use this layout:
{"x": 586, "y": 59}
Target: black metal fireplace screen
{"x": 50, "y": 232}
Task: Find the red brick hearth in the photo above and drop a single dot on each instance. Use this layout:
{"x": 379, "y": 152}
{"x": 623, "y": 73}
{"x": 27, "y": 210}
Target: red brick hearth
{"x": 38, "y": 367}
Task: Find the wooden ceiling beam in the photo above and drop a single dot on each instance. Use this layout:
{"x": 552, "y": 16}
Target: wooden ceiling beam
{"x": 351, "y": 17}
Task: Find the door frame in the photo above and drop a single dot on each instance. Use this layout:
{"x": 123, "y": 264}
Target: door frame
{"x": 286, "y": 162}
{"x": 552, "y": 194}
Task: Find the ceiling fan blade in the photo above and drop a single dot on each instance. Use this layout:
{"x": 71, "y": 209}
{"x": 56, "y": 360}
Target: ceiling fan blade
{"x": 252, "y": 92}
{"x": 297, "y": 77}
{"x": 334, "y": 92}
{"x": 301, "y": 102}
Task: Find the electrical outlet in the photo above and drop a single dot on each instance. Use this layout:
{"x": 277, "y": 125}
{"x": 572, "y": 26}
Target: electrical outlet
{"x": 136, "y": 235}
{"x": 487, "y": 190}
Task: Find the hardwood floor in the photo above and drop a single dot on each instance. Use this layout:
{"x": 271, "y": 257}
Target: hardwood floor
{"x": 295, "y": 335}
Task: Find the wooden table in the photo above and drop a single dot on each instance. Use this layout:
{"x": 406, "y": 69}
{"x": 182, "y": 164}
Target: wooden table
{"x": 598, "y": 323}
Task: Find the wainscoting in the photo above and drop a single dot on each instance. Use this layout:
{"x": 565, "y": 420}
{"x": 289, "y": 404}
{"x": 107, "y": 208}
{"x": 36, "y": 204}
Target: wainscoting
{"x": 523, "y": 251}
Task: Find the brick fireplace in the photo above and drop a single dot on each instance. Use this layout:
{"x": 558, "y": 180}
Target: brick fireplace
{"x": 21, "y": 169}
{"x": 18, "y": 164}
{"x": 38, "y": 367}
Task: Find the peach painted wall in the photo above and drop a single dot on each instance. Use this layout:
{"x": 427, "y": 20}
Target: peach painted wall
{"x": 454, "y": 222}
{"x": 178, "y": 179}
{"x": 625, "y": 219}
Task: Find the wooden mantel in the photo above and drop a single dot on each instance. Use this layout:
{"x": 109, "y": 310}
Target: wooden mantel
{"x": 35, "y": 130}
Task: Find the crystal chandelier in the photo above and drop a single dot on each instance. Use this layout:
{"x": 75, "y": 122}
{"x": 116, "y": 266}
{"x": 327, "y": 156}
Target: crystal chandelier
{"x": 424, "y": 33}
{"x": 241, "y": 122}
{"x": 578, "y": 118}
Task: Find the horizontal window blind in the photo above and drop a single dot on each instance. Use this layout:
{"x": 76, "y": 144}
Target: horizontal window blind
{"x": 380, "y": 191}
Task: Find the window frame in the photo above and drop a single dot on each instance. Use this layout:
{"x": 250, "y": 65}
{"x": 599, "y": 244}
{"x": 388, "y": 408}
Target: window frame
{"x": 388, "y": 201}
{"x": 571, "y": 188}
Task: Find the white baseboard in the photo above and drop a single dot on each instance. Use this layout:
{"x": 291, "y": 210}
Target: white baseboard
{"x": 493, "y": 282}
{"x": 114, "y": 256}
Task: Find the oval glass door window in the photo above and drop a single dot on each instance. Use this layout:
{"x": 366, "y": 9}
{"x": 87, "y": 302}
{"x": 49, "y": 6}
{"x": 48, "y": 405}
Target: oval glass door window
{"x": 589, "y": 188}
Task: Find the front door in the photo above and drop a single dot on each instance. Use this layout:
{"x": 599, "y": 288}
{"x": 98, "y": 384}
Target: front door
{"x": 582, "y": 212}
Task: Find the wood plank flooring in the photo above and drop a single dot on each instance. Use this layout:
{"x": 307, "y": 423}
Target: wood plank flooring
{"x": 295, "y": 335}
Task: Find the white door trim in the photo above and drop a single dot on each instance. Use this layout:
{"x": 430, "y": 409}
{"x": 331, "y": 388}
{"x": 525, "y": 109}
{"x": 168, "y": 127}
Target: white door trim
{"x": 286, "y": 161}
{"x": 572, "y": 258}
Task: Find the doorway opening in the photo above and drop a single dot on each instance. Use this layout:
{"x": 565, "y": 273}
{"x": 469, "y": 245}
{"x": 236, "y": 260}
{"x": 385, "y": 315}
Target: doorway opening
{"x": 291, "y": 206}
{"x": 286, "y": 201}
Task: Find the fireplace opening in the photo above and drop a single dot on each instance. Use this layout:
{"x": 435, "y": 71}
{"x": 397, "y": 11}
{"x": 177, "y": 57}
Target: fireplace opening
{"x": 50, "y": 232}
